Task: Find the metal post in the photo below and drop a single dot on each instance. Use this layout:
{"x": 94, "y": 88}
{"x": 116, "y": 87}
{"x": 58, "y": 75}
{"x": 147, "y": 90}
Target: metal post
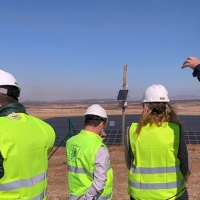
{"x": 123, "y": 107}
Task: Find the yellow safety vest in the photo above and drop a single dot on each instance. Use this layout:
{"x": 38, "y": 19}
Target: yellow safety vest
{"x": 81, "y": 153}
{"x": 155, "y": 172}
{"x": 24, "y": 145}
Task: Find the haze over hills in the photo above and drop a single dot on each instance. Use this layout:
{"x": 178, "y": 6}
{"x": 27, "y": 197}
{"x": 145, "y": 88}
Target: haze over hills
{"x": 108, "y": 101}
{"x": 182, "y": 97}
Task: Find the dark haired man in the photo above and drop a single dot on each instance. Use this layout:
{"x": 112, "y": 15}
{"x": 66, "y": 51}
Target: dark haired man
{"x": 90, "y": 175}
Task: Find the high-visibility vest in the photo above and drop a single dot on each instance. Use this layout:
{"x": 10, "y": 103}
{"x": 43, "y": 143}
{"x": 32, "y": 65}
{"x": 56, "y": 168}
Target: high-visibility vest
{"x": 155, "y": 172}
{"x": 24, "y": 145}
{"x": 81, "y": 152}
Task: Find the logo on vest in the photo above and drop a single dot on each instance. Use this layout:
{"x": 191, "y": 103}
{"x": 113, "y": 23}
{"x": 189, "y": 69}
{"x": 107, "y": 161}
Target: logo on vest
{"x": 14, "y": 116}
{"x": 74, "y": 152}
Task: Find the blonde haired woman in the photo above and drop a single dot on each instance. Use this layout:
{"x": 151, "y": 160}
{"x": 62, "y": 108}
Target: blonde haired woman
{"x": 155, "y": 151}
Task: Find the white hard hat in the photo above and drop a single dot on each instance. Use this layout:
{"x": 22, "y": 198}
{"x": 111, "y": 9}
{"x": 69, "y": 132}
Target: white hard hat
{"x": 155, "y": 93}
{"x": 97, "y": 110}
{"x": 7, "y": 79}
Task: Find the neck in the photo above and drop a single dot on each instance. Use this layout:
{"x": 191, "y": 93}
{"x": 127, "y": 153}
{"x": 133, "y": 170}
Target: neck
{"x": 92, "y": 129}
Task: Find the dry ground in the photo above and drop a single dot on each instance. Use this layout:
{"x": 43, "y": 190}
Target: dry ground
{"x": 57, "y": 181}
{"x": 57, "y": 189}
{"x": 48, "y": 110}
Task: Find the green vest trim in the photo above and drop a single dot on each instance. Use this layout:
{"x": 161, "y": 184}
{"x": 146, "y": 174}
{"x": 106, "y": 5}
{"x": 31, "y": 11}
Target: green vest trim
{"x": 11, "y": 108}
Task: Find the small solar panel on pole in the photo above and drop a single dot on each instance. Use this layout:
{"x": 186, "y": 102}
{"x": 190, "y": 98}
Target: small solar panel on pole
{"x": 122, "y": 96}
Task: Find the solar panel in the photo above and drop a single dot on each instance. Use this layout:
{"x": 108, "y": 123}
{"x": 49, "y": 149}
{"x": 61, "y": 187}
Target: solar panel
{"x": 114, "y": 137}
{"x": 192, "y": 137}
{"x": 122, "y": 95}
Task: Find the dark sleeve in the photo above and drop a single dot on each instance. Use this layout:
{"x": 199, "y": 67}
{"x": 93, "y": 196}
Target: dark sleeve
{"x": 183, "y": 155}
{"x": 196, "y": 72}
{"x": 1, "y": 166}
{"x": 129, "y": 157}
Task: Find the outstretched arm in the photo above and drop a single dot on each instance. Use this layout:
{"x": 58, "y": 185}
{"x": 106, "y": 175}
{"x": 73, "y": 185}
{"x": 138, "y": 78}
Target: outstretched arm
{"x": 193, "y": 63}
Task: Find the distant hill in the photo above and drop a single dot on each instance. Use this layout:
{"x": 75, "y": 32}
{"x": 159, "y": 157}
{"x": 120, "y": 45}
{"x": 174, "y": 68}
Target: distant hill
{"x": 182, "y": 97}
{"x": 108, "y": 101}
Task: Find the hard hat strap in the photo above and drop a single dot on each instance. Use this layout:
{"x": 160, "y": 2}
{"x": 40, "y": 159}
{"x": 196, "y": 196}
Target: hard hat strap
{"x": 157, "y": 110}
{"x": 14, "y": 91}
{"x": 94, "y": 117}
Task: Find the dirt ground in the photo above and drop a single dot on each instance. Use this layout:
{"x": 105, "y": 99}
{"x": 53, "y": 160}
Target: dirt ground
{"x": 57, "y": 173}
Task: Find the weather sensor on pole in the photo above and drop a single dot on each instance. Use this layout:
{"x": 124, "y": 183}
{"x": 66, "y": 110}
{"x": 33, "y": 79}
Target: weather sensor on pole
{"x": 122, "y": 96}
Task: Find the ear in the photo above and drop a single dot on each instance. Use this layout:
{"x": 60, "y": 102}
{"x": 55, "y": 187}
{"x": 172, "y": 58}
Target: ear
{"x": 102, "y": 125}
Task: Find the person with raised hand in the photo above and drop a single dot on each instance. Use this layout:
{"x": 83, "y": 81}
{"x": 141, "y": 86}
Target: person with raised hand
{"x": 194, "y": 64}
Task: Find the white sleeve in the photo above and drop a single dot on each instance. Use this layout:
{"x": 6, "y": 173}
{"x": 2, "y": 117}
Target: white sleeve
{"x": 100, "y": 175}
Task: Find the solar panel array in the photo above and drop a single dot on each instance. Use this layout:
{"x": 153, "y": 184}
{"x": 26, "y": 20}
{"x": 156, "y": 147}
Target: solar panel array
{"x": 114, "y": 137}
{"x": 192, "y": 137}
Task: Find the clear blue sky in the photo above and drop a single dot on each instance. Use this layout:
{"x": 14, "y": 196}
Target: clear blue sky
{"x": 69, "y": 49}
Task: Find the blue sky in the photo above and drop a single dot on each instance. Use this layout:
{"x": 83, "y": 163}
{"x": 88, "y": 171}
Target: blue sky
{"x": 77, "y": 49}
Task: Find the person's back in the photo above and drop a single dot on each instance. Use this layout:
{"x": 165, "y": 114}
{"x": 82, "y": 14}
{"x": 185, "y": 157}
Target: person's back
{"x": 155, "y": 151}
{"x": 90, "y": 175}
{"x": 156, "y": 165}
{"x": 24, "y": 146}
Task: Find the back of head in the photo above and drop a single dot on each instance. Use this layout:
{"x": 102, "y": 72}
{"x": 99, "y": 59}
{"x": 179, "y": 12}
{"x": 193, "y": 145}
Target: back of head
{"x": 9, "y": 89}
{"x": 95, "y": 114}
{"x": 156, "y": 107}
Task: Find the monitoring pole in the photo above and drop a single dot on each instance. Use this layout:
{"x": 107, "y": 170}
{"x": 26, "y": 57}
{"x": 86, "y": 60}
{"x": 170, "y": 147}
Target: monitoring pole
{"x": 122, "y": 96}
{"x": 123, "y": 104}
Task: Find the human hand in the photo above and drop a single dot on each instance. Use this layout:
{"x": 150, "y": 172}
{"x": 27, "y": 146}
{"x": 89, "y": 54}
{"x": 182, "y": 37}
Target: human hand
{"x": 191, "y": 62}
{"x": 103, "y": 134}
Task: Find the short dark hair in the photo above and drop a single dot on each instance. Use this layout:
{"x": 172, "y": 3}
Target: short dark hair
{"x": 92, "y": 122}
{"x": 6, "y": 99}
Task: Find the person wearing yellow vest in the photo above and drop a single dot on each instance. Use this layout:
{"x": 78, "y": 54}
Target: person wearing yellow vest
{"x": 90, "y": 176}
{"x": 155, "y": 151}
{"x": 25, "y": 142}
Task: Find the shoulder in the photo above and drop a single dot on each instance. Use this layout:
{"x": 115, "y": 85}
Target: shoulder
{"x": 41, "y": 123}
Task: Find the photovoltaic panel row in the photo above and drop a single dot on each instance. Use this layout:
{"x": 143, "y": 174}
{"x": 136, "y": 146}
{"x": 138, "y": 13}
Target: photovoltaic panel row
{"x": 192, "y": 137}
{"x": 114, "y": 137}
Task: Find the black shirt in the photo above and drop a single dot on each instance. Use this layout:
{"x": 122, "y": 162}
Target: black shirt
{"x": 196, "y": 72}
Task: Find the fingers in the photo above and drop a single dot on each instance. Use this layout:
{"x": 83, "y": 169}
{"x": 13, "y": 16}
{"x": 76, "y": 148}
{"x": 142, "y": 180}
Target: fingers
{"x": 188, "y": 62}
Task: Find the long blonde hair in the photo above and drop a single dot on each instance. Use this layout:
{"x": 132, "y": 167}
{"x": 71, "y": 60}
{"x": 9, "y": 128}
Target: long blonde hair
{"x": 156, "y": 114}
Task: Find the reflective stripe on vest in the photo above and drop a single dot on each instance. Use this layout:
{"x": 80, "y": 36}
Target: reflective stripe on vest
{"x": 23, "y": 183}
{"x": 155, "y": 170}
{"x": 79, "y": 170}
{"x": 156, "y": 186}
{"x": 104, "y": 197}
{"x": 40, "y": 196}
